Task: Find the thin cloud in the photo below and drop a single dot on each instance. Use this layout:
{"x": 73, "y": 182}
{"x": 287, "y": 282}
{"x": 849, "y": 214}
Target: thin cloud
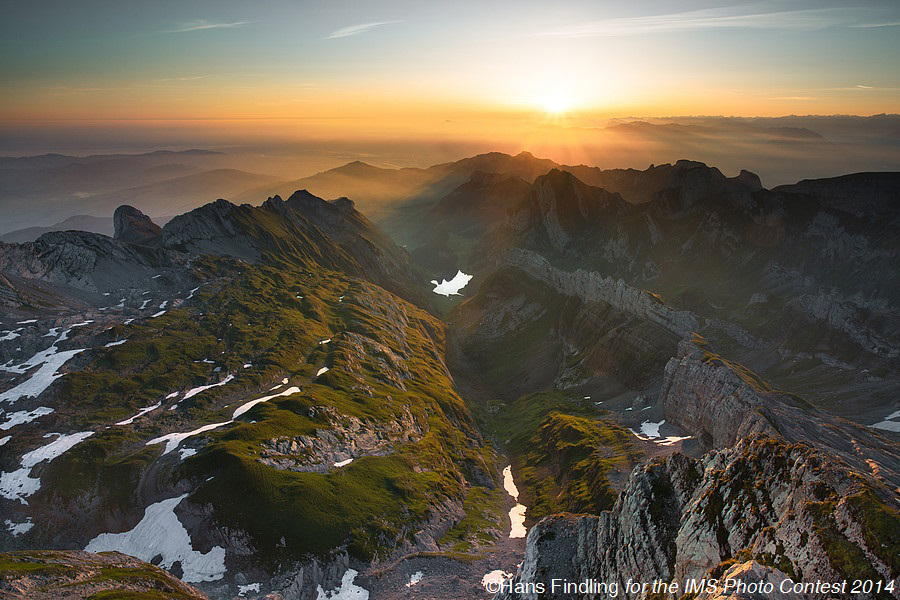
{"x": 357, "y": 29}
{"x": 867, "y": 25}
{"x": 191, "y": 78}
{"x": 200, "y": 25}
{"x": 714, "y": 18}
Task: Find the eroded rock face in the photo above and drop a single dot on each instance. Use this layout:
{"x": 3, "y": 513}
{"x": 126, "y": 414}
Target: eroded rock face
{"x": 345, "y": 438}
{"x": 592, "y": 287}
{"x": 131, "y": 225}
{"x": 85, "y": 261}
{"x": 721, "y": 402}
{"x": 678, "y": 518}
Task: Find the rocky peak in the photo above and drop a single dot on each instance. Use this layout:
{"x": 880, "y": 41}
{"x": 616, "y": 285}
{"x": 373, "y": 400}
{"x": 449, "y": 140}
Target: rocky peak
{"x": 751, "y": 180}
{"x": 316, "y": 208}
{"x": 560, "y": 207}
{"x": 131, "y": 225}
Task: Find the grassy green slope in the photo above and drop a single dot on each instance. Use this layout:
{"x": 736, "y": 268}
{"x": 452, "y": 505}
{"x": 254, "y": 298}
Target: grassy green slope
{"x": 273, "y": 318}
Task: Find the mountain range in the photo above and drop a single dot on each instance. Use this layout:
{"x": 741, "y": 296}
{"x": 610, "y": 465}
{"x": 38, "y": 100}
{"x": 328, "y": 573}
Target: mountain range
{"x": 660, "y": 374}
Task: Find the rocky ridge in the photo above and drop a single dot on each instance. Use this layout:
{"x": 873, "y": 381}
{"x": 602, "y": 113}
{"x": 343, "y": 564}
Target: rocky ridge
{"x": 591, "y": 286}
{"x": 784, "y": 504}
{"x": 721, "y": 402}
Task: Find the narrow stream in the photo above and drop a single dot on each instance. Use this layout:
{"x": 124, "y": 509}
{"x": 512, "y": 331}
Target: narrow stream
{"x": 517, "y": 512}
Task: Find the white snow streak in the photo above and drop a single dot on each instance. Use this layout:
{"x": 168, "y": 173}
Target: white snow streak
{"x": 140, "y": 413}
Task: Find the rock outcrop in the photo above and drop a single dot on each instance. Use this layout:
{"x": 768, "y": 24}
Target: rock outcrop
{"x": 58, "y": 574}
{"x": 133, "y": 226}
{"x": 721, "y": 402}
{"x": 786, "y": 505}
{"x": 86, "y": 261}
{"x": 345, "y": 439}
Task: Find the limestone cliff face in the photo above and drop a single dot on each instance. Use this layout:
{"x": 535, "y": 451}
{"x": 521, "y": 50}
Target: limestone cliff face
{"x": 593, "y": 287}
{"x": 785, "y": 504}
{"x": 721, "y": 402}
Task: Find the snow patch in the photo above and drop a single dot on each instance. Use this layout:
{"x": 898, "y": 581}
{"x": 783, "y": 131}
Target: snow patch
{"x": 25, "y": 416}
{"x": 183, "y": 453}
{"x": 495, "y": 578}
{"x": 415, "y": 578}
{"x": 343, "y": 463}
{"x": 250, "y": 587}
{"x": 650, "y": 432}
{"x": 26, "y": 322}
{"x": 18, "y": 529}
{"x": 173, "y": 440}
{"x": 49, "y": 360}
{"x": 651, "y": 429}
{"x": 161, "y": 533}
{"x": 5, "y": 439}
{"x": 889, "y": 423}
{"x": 119, "y": 343}
{"x": 347, "y": 590}
{"x": 452, "y": 287}
{"x": 19, "y": 484}
{"x": 321, "y": 371}
{"x": 159, "y": 314}
{"x": 248, "y": 405}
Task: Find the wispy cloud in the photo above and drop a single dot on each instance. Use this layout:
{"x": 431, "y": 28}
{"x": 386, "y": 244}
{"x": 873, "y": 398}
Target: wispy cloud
{"x": 357, "y": 29}
{"x": 190, "y": 78}
{"x": 200, "y": 25}
{"x": 867, "y": 25}
{"x": 712, "y": 18}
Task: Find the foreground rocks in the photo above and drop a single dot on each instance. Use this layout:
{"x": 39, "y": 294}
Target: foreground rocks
{"x": 39, "y": 575}
{"x": 785, "y": 505}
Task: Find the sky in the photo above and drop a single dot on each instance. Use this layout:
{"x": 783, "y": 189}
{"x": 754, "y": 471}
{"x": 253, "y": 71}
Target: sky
{"x": 384, "y": 64}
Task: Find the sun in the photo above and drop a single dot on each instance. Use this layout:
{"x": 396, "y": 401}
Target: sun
{"x": 557, "y": 102}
